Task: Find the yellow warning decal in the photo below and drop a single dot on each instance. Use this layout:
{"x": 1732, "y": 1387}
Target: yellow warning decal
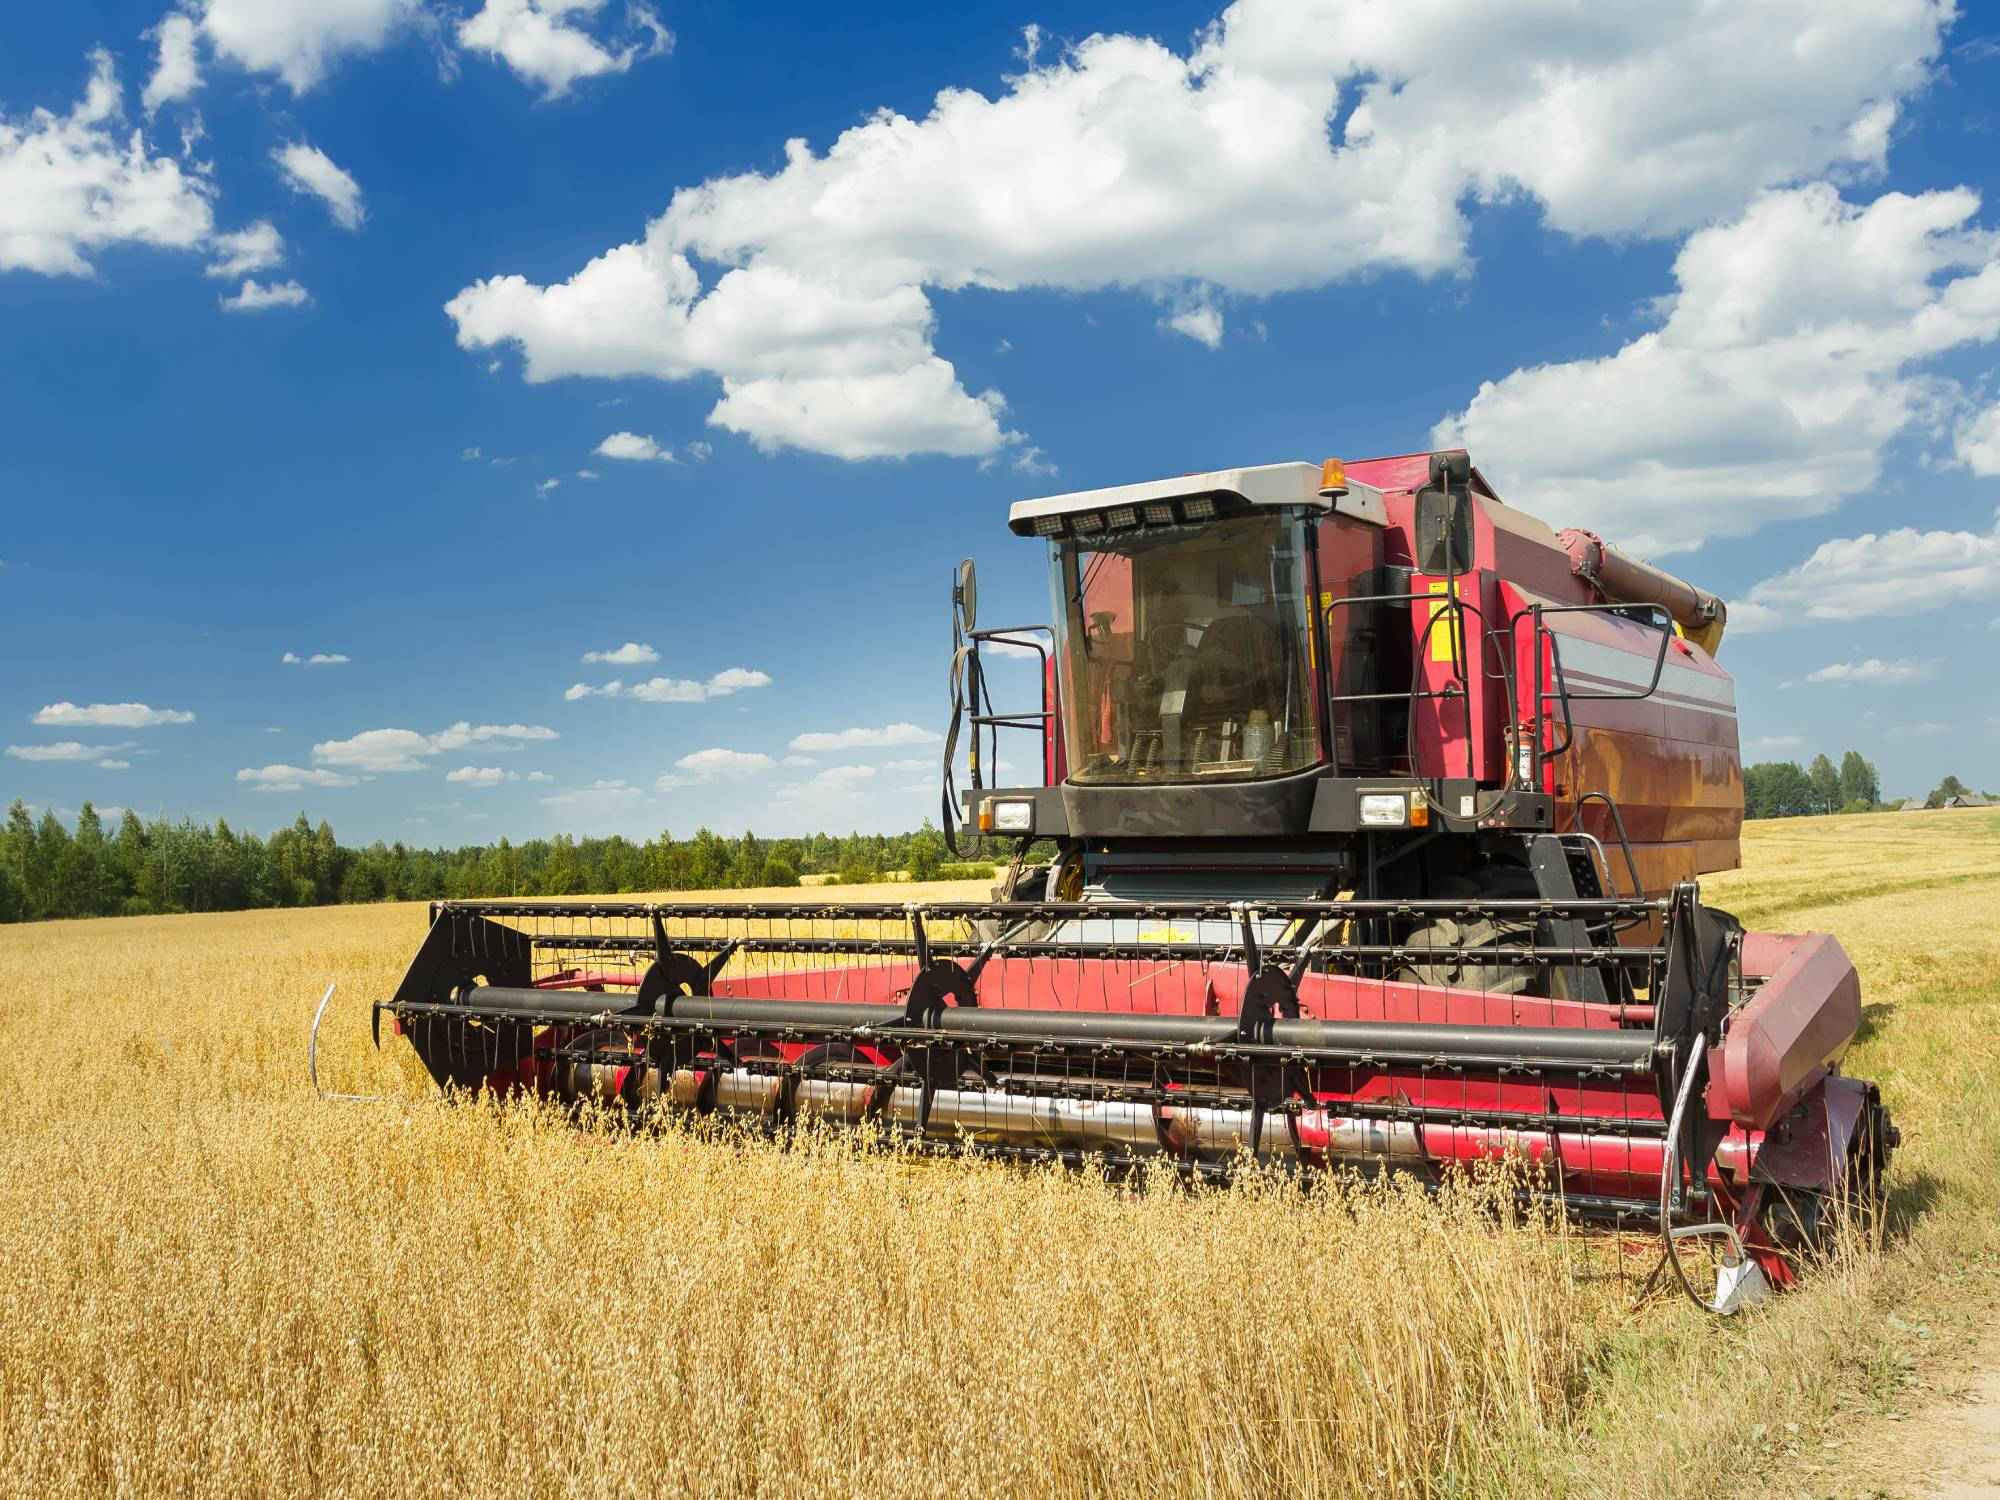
{"x": 1326, "y": 600}
{"x": 1445, "y": 644}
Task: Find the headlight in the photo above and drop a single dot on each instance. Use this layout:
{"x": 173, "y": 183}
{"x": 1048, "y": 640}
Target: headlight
{"x": 1384, "y": 810}
{"x": 1013, "y": 816}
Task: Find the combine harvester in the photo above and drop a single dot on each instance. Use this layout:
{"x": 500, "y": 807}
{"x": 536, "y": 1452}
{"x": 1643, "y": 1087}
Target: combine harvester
{"x": 1377, "y": 809}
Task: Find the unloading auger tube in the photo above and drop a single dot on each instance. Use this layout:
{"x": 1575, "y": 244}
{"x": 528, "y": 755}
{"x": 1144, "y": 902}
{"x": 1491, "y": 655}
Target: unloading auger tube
{"x": 1207, "y": 1035}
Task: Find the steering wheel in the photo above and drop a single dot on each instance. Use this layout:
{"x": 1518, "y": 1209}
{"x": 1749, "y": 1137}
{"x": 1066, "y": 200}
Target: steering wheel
{"x": 1163, "y": 646}
{"x": 1235, "y": 660}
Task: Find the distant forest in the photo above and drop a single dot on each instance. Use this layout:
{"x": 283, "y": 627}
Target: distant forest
{"x": 1785, "y": 789}
{"x": 48, "y": 870}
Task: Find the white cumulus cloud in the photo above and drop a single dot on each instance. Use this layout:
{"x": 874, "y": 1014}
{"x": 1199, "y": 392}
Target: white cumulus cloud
{"x": 241, "y": 251}
{"x": 1978, "y": 441}
{"x": 111, "y": 715}
{"x": 735, "y": 680}
{"x": 481, "y": 775}
{"x": 1791, "y": 354}
{"x": 1900, "y": 572}
{"x": 71, "y": 750}
{"x": 542, "y": 42}
{"x": 177, "y": 71}
{"x": 1202, "y": 323}
{"x": 379, "y": 750}
{"x": 632, "y": 446}
{"x": 854, "y": 739}
{"x": 300, "y": 39}
{"x": 255, "y": 296}
{"x": 629, "y": 654}
{"x": 598, "y": 796}
{"x": 833, "y": 783}
{"x": 291, "y": 778}
{"x": 719, "y": 762}
{"x": 317, "y": 659}
{"x": 309, "y": 171}
{"x": 76, "y": 183}
{"x": 1292, "y": 146}
{"x": 673, "y": 689}
{"x": 493, "y": 736}
{"x": 1875, "y": 672}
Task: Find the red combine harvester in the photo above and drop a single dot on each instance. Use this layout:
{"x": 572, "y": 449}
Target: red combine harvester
{"x": 1376, "y": 810}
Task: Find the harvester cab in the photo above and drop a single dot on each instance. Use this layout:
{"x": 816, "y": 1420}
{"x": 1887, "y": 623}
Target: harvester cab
{"x": 1295, "y": 662}
{"x": 1367, "y": 833}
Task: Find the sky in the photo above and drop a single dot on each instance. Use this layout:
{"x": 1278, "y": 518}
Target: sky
{"x": 522, "y": 416}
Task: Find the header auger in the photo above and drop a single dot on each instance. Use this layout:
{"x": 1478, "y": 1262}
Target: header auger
{"x": 1377, "y": 811}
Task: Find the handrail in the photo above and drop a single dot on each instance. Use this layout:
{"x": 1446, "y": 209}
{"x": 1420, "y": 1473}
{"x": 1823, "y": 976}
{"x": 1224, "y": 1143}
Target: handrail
{"x": 1562, "y": 694}
{"x": 1449, "y": 604}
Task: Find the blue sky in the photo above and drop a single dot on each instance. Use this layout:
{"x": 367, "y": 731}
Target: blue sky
{"x": 463, "y": 341}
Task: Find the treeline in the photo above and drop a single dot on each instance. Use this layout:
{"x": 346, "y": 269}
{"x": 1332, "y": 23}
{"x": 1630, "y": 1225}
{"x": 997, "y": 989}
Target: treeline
{"x": 48, "y": 870}
{"x": 1785, "y": 789}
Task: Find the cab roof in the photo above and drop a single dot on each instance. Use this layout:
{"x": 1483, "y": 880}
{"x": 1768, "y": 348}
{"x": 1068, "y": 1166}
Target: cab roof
{"x": 1292, "y": 484}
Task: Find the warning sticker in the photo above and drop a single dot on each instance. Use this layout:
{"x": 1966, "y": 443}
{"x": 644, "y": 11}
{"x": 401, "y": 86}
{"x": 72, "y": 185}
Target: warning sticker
{"x": 1445, "y": 643}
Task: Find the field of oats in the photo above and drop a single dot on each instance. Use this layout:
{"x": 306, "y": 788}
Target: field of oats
{"x": 212, "y": 1283}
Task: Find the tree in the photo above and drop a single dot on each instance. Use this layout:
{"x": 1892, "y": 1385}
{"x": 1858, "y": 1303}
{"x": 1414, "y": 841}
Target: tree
{"x": 51, "y": 845}
{"x": 17, "y": 853}
{"x": 1950, "y": 787}
{"x": 926, "y": 853}
{"x": 855, "y": 867}
{"x": 503, "y": 870}
{"x": 747, "y": 867}
{"x": 563, "y": 874}
{"x": 1777, "y": 789}
{"x": 49, "y": 870}
{"x": 128, "y": 860}
{"x": 1825, "y": 784}
{"x": 83, "y": 879}
{"x": 1858, "y": 781}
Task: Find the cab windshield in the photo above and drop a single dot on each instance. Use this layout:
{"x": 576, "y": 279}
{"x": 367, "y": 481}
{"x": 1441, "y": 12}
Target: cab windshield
{"x": 1184, "y": 652}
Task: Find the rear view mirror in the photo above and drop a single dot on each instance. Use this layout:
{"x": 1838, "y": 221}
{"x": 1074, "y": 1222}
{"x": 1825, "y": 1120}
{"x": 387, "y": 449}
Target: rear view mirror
{"x": 965, "y": 596}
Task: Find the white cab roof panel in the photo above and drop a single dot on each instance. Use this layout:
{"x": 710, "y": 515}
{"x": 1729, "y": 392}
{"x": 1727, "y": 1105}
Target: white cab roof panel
{"x": 1264, "y": 484}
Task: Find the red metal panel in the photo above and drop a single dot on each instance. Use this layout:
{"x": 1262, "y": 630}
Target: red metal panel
{"x": 1800, "y": 1022}
{"x": 1148, "y": 987}
{"x": 1669, "y": 760}
{"x": 1470, "y": 668}
{"x": 1810, "y": 1150}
